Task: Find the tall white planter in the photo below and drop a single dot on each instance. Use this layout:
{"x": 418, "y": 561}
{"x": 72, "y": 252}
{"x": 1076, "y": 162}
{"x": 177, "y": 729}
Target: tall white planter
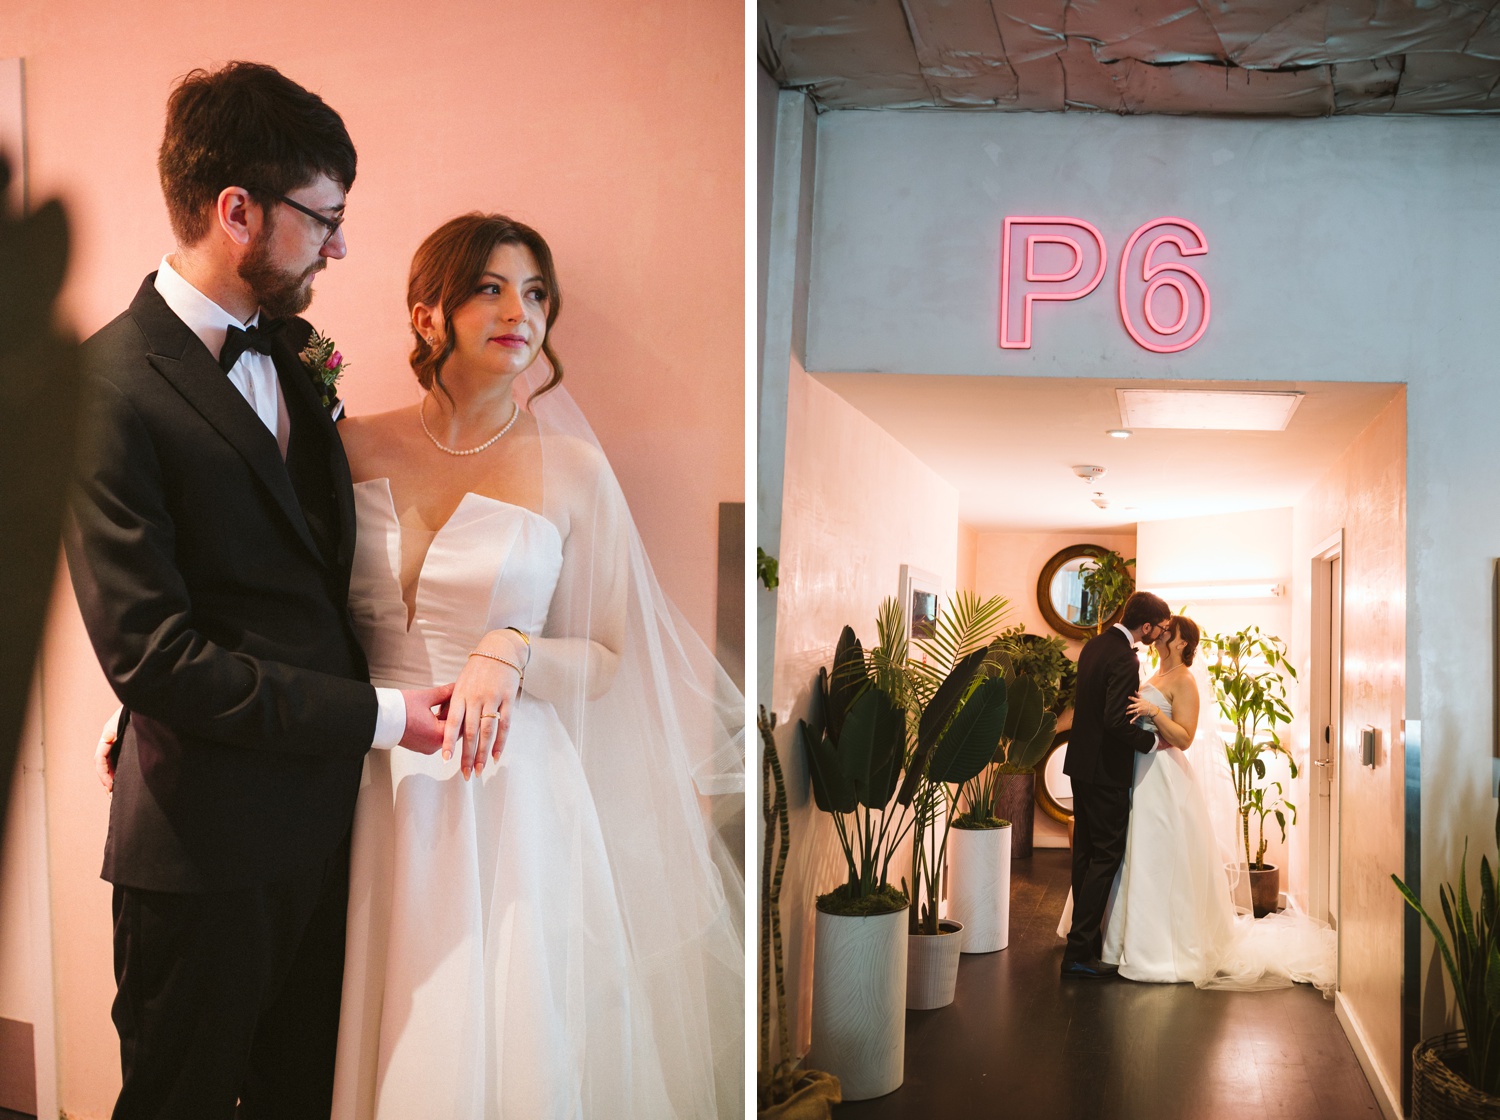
{"x": 932, "y": 966}
{"x": 859, "y": 1002}
{"x": 979, "y": 886}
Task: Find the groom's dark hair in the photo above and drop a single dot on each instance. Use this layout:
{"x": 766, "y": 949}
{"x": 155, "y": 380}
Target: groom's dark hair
{"x": 1144, "y": 607}
{"x": 245, "y": 125}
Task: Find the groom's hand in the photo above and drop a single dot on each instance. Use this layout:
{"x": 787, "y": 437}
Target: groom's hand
{"x": 424, "y": 729}
{"x": 104, "y": 752}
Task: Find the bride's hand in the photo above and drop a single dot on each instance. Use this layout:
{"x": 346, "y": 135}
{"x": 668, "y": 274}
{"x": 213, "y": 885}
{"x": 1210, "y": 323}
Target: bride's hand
{"x": 484, "y": 696}
{"x": 1138, "y": 707}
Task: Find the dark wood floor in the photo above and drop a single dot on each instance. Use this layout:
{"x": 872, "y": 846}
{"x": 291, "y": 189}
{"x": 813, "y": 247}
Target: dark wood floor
{"x": 1018, "y": 1041}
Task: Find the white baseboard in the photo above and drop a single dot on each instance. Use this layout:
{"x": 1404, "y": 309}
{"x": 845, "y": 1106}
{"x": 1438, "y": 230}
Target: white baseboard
{"x": 1388, "y": 1097}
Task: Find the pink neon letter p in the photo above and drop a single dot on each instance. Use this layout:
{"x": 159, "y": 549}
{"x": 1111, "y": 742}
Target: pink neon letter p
{"x": 1070, "y": 268}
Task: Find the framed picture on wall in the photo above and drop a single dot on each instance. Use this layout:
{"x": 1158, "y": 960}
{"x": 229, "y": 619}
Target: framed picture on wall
{"x": 921, "y": 595}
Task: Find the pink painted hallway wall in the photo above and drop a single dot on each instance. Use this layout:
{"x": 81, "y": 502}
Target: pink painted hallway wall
{"x": 616, "y": 130}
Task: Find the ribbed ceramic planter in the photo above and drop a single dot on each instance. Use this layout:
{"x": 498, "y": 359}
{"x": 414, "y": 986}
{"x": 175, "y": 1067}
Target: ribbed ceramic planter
{"x": 979, "y": 886}
{"x": 859, "y": 1002}
{"x": 932, "y": 966}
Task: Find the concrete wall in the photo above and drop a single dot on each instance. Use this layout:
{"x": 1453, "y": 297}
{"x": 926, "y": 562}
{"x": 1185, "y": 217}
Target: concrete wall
{"x": 1365, "y": 496}
{"x": 615, "y": 130}
{"x": 841, "y": 554}
{"x": 1347, "y": 250}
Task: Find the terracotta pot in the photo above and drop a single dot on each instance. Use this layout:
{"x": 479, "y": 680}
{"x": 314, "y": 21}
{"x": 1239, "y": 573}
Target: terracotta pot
{"x": 1265, "y": 889}
{"x": 1017, "y": 804}
{"x": 932, "y": 966}
{"x": 979, "y": 886}
{"x": 859, "y": 1002}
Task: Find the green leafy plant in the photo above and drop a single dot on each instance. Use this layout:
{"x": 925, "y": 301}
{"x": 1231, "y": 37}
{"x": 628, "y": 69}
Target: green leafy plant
{"x": 1108, "y": 582}
{"x": 956, "y": 705}
{"x": 856, "y": 748}
{"x": 1044, "y": 659}
{"x": 1268, "y": 800}
{"x": 765, "y": 568}
{"x": 1028, "y": 731}
{"x": 1249, "y": 670}
{"x": 1471, "y": 954}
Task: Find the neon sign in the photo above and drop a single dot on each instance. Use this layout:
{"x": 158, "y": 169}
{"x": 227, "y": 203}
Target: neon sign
{"x": 1164, "y": 303}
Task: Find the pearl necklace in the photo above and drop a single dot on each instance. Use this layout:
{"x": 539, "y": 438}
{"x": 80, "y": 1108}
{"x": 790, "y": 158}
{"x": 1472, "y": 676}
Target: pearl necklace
{"x": 515, "y": 411}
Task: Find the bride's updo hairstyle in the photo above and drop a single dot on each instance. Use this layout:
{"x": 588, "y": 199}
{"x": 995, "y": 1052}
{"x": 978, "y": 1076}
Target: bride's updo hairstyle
{"x": 1186, "y": 629}
{"x": 445, "y": 274}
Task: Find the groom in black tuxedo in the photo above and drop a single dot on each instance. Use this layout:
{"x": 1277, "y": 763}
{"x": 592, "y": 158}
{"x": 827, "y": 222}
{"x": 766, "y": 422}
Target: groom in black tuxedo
{"x": 1101, "y": 764}
{"x": 210, "y": 539}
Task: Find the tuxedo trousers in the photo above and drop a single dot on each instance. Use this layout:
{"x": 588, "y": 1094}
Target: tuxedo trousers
{"x": 1101, "y": 821}
{"x": 228, "y": 1002}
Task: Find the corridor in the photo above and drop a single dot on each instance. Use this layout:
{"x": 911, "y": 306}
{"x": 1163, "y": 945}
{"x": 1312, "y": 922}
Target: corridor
{"x": 1018, "y": 1041}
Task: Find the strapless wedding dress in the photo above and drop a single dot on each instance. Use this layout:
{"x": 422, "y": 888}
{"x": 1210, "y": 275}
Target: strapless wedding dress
{"x": 488, "y": 972}
{"x": 1171, "y": 917}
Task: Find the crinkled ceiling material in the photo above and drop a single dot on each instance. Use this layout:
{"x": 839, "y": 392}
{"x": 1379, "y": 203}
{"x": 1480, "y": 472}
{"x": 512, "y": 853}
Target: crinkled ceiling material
{"x": 1262, "y": 57}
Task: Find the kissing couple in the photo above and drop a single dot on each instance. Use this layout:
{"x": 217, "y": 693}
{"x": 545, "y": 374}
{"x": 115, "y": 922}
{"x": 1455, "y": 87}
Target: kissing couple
{"x": 408, "y": 783}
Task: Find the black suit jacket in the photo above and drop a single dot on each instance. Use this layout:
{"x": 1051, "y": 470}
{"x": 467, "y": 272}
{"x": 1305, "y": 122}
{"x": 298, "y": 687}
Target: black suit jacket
{"x": 1103, "y": 742}
{"x": 213, "y": 579}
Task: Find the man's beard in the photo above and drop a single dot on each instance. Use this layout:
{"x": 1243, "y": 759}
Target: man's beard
{"x": 279, "y": 293}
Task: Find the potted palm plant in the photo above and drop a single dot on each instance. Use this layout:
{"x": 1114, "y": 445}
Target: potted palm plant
{"x": 955, "y": 704}
{"x": 1458, "y": 1074}
{"x": 856, "y": 751}
{"x": 1249, "y": 670}
{"x": 979, "y": 864}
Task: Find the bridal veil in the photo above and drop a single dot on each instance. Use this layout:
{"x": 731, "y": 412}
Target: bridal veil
{"x": 660, "y": 731}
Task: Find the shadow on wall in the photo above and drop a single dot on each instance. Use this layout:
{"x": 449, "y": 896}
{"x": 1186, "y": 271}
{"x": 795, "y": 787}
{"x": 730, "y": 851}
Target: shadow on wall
{"x": 39, "y": 384}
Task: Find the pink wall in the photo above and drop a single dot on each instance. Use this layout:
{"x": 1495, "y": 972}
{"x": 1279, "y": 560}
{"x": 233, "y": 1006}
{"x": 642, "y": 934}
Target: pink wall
{"x": 856, "y": 506}
{"x": 1250, "y": 545}
{"x": 1365, "y": 495}
{"x": 617, "y": 130}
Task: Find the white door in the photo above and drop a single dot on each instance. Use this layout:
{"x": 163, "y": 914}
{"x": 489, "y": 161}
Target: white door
{"x": 1325, "y": 711}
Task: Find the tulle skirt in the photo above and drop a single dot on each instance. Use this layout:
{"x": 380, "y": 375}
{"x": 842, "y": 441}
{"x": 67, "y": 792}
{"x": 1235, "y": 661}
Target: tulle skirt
{"x": 1171, "y": 916}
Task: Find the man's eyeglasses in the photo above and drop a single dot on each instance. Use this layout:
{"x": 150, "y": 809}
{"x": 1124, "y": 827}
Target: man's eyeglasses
{"x": 330, "y": 224}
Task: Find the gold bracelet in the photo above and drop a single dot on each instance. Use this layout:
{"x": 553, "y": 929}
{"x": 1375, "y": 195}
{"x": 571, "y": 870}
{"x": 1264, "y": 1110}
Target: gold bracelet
{"x": 503, "y": 661}
{"x": 525, "y": 637}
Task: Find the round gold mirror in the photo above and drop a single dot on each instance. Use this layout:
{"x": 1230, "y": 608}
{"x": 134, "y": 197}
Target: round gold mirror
{"x": 1054, "y": 791}
{"x": 1068, "y": 608}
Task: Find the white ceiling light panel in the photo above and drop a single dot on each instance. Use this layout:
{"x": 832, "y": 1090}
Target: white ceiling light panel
{"x": 1206, "y": 409}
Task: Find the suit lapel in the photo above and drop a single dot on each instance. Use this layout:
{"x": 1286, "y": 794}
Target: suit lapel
{"x": 314, "y": 455}
{"x": 181, "y": 358}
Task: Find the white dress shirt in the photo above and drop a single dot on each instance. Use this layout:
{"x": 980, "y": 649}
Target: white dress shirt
{"x": 254, "y": 375}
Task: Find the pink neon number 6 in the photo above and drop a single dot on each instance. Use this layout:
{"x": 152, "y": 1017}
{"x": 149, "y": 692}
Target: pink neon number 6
{"x": 1023, "y": 280}
{"x": 1164, "y": 304}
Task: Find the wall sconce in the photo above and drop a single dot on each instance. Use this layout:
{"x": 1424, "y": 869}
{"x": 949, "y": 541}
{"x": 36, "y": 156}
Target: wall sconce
{"x": 1220, "y": 592}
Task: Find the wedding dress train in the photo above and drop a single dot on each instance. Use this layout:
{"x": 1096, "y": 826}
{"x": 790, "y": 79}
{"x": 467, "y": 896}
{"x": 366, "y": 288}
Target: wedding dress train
{"x": 1171, "y": 916}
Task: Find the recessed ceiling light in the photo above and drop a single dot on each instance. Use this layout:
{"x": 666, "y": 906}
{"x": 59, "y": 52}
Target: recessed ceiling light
{"x": 1118, "y": 433}
{"x": 1207, "y": 409}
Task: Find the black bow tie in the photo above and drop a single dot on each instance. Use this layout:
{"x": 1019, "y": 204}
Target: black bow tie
{"x": 237, "y": 341}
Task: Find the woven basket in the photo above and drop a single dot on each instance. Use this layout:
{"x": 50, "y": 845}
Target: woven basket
{"x": 1437, "y": 1093}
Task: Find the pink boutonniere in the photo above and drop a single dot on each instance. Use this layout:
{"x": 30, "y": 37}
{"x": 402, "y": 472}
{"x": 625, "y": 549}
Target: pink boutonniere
{"x": 325, "y": 365}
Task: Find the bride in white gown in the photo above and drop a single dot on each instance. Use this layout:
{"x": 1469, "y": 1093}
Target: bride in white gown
{"x": 1171, "y": 915}
{"x": 543, "y": 924}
